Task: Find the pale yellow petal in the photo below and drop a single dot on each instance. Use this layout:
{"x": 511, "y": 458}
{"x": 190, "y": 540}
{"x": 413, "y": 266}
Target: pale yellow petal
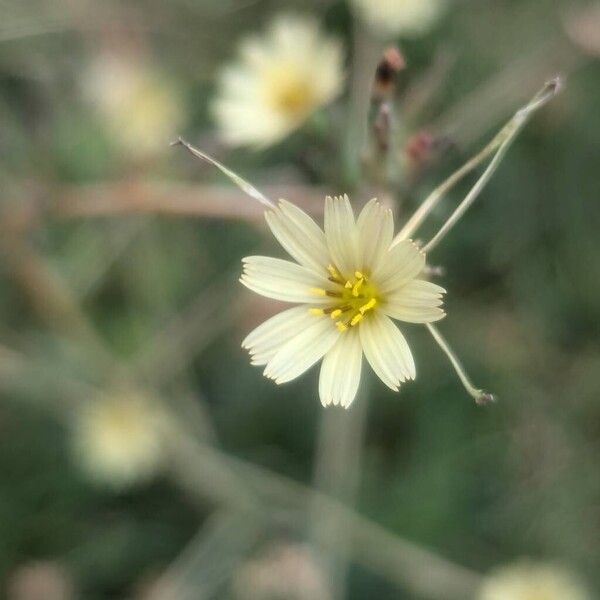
{"x": 341, "y": 235}
{"x": 402, "y": 263}
{"x": 281, "y": 280}
{"x": 302, "y": 351}
{"x": 386, "y": 350}
{"x": 375, "y": 227}
{"x": 340, "y": 371}
{"x": 300, "y": 236}
{"x": 417, "y": 301}
{"x": 269, "y": 337}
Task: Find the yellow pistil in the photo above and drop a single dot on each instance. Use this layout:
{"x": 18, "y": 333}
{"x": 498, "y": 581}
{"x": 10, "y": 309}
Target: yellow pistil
{"x": 335, "y": 274}
{"x": 318, "y": 291}
{"x": 356, "y": 319}
{"x": 357, "y": 286}
{"x": 368, "y": 306}
{"x": 354, "y": 298}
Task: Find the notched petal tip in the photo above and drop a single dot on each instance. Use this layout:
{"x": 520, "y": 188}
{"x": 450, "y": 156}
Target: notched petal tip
{"x": 441, "y": 317}
{"x": 282, "y": 204}
{"x": 335, "y": 403}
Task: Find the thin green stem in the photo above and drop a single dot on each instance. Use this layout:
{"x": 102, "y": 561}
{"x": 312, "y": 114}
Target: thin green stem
{"x": 434, "y": 198}
{"x": 503, "y": 140}
{"x": 499, "y": 145}
{"x": 244, "y": 185}
{"x": 480, "y": 396}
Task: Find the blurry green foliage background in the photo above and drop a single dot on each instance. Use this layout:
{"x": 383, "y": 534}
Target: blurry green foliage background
{"x": 480, "y": 486}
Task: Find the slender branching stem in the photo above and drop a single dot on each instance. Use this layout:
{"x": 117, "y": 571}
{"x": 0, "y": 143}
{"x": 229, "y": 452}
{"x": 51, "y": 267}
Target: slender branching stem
{"x": 436, "y": 196}
{"x": 497, "y": 148}
{"x": 480, "y": 396}
{"x": 244, "y": 185}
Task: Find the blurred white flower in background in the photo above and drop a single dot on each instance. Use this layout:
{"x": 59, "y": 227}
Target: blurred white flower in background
{"x": 44, "y": 579}
{"x": 278, "y": 81}
{"x": 284, "y": 571}
{"x": 136, "y": 103}
{"x": 583, "y": 27}
{"x": 389, "y": 18}
{"x": 118, "y": 439}
{"x": 350, "y": 281}
{"x": 533, "y": 581}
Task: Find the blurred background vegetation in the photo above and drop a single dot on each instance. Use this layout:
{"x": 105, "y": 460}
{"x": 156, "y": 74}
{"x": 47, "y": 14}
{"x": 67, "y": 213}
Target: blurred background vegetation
{"x": 119, "y": 259}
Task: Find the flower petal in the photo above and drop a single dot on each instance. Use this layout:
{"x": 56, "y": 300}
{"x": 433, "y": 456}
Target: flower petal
{"x": 416, "y": 302}
{"x": 340, "y": 233}
{"x": 301, "y": 352}
{"x": 402, "y": 263}
{"x": 340, "y": 371}
{"x": 375, "y": 226}
{"x": 269, "y": 337}
{"x": 300, "y": 236}
{"x": 282, "y": 280}
{"x": 386, "y": 350}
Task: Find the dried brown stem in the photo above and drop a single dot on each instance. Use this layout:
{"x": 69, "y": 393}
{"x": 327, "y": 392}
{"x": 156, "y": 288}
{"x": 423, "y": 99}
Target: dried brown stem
{"x": 180, "y": 200}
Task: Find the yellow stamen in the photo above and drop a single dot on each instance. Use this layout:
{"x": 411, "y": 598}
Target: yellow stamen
{"x": 336, "y": 313}
{"x": 357, "y": 287}
{"x": 359, "y": 275}
{"x": 356, "y": 319}
{"x": 368, "y": 306}
{"x": 317, "y": 312}
{"x": 335, "y": 274}
{"x": 348, "y": 285}
{"x": 341, "y": 326}
{"x": 318, "y": 291}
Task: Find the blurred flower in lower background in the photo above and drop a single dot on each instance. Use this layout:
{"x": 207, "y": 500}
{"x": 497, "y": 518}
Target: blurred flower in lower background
{"x": 533, "y": 581}
{"x": 389, "y": 18}
{"x": 283, "y": 571}
{"x": 279, "y": 80}
{"x": 118, "y": 439}
{"x": 137, "y": 104}
{"x": 40, "y": 580}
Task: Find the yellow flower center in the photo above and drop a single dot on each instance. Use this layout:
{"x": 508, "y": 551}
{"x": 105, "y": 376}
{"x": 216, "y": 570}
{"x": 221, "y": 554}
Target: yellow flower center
{"x": 289, "y": 92}
{"x": 352, "y": 299}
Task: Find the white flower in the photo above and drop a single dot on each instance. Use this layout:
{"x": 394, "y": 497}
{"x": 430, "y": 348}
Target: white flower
{"x": 117, "y": 440}
{"x": 279, "y": 81}
{"x": 284, "y": 571}
{"x": 350, "y": 282}
{"x": 138, "y": 106}
{"x": 394, "y": 17}
{"x": 530, "y": 581}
